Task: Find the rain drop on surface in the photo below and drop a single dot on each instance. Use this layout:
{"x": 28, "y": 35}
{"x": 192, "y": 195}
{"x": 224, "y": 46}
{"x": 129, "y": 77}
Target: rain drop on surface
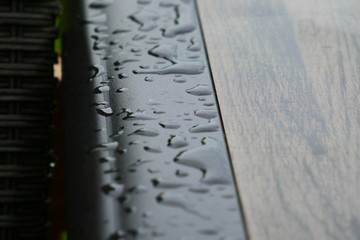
{"x": 200, "y": 90}
{"x": 210, "y": 158}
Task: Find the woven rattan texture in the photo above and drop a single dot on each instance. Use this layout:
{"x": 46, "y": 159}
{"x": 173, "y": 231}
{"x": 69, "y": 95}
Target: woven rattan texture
{"x": 27, "y": 32}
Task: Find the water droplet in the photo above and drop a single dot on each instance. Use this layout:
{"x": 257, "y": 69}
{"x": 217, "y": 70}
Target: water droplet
{"x": 165, "y": 51}
{"x": 143, "y": 2}
{"x": 206, "y": 127}
{"x": 97, "y": 19}
{"x": 107, "y": 159}
{"x": 106, "y": 146}
{"x": 200, "y": 90}
{"x": 179, "y": 29}
{"x": 139, "y": 37}
{"x": 120, "y": 90}
{"x": 176, "y": 200}
{"x": 129, "y": 210}
{"x": 152, "y": 149}
{"x": 138, "y": 189}
{"x": 208, "y": 232}
{"x": 97, "y": 71}
{"x": 146, "y": 19}
{"x": 105, "y": 111}
{"x": 153, "y": 171}
{"x": 122, "y": 75}
{"x": 181, "y": 173}
{"x": 101, "y": 89}
{"x": 201, "y": 190}
{"x": 138, "y": 116}
{"x": 101, "y": 29}
{"x": 122, "y": 150}
{"x": 101, "y": 4}
{"x": 149, "y": 79}
{"x": 184, "y": 22}
{"x": 147, "y": 132}
{"x": 183, "y": 67}
{"x": 159, "y": 112}
{"x": 170, "y": 125}
{"x": 177, "y": 141}
{"x": 206, "y": 113}
{"x": 211, "y": 159}
{"x": 164, "y": 183}
{"x": 118, "y": 134}
{"x": 228, "y": 196}
{"x": 101, "y": 103}
{"x": 181, "y": 80}
{"x": 169, "y": 3}
{"x": 113, "y": 189}
{"x": 121, "y": 30}
{"x": 115, "y": 42}
{"x": 100, "y": 45}
{"x": 194, "y": 46}
{"x": 124, "y": 59}
{"x": 210, "y": 104}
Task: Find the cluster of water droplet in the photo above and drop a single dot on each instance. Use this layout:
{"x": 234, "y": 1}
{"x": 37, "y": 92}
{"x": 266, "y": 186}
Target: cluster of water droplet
{"x": 166, "y": 151}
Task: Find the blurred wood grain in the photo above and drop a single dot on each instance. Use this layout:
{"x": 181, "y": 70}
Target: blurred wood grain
{"x": 287, "y": 75}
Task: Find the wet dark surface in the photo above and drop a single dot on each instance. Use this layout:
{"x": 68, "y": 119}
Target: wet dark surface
{"x": 146, "y": 154}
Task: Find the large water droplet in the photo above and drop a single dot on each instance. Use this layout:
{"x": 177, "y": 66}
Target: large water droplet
{"x": 211, "y": 159}
{"x": 166, "y": 51}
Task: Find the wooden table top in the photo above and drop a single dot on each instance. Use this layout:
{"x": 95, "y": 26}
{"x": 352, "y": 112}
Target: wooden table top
{"x": 287, "y": 75}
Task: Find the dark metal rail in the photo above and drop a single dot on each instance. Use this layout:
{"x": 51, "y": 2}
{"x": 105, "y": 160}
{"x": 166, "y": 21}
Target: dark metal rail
{"x": 145, "y": 149}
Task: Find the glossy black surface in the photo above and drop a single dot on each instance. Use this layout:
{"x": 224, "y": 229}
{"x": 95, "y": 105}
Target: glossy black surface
{"x": 146, "y": 153}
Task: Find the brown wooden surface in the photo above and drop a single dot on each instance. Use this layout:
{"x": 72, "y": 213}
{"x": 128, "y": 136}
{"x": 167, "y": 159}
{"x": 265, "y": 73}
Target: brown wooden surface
{"x": 287, "y": 74}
